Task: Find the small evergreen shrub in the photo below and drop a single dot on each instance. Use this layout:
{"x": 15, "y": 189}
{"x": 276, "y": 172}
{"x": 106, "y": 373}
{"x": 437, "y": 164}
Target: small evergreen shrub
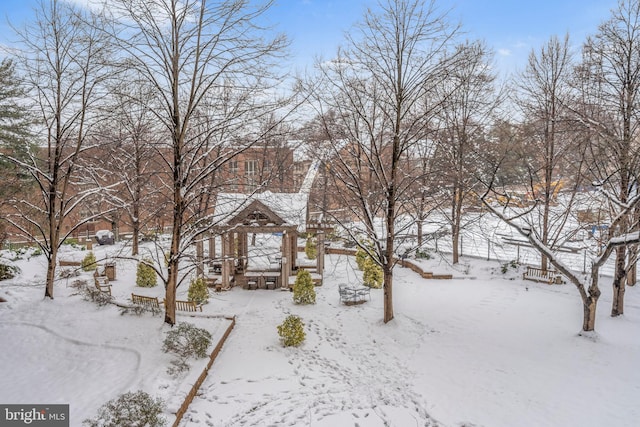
{"x": 186, "y": 340}
{"x": 131, "y": 409}
{"x": 310, "y": 248}
{"x": 198, "y": 292}
{"x": 422, "y": 254}
{"x": 71, "y": 241}
{"x": 291, "y": 331}
{"x": 146, "y": 276}
{"x": 303, "y": 290}
{"x": 8, "y": 271}
{"x": 89, "y": 262}
{"x": 372, "y": 275}
{"x": 361, "y": 257}
{"x": 511, "y": 264}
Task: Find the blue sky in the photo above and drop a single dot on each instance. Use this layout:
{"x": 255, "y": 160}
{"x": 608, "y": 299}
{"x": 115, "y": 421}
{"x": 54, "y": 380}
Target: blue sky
{"x": 511, "y": 27}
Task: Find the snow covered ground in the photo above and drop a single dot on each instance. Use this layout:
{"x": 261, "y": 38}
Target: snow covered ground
{"x": 483, "y": 349}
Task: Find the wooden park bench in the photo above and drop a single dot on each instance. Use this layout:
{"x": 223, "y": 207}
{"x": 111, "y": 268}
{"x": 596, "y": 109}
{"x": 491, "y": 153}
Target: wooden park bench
{"x": 151, "y": 303}
{"x": 187, "y": 306}
{"x": 102, "y": 284}
{"x": 540, "y": 275}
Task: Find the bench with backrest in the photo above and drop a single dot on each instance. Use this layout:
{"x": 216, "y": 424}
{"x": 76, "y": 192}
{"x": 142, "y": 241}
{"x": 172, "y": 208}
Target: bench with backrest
{"x": 102, "y": 284}
{"x": 148, "y": 302}
{"x": 187, "y": 306}
{"x": 540, "y": 275}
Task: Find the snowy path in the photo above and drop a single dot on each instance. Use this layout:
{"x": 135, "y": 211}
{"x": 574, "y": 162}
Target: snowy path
{"x": 337, "y": 377}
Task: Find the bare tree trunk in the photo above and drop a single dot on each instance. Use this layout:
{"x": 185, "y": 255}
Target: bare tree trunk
{"x": 617, "y": 307}
{"x": 388, "y": 293}
{"x": 172, "y": 277}
{"x": 200, "y": 255}
{"x": 51, "y": 273}
{"x": 589, "y": 311}
{"x": 420, "y": 237}
{"x": 455, "y": 225}
{"x": 135, "y": 239}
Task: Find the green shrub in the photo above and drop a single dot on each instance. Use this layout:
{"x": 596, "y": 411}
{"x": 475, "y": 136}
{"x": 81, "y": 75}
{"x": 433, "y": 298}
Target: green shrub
{"x": 291, "y": 331}
{"x": 89, "y": 262}
{"x": 303, "y": 290}
{"x": 310, "y": 248}
{"x": 137, "y": 409}
{"x": 198, "y": 292}
{"x": 8, "y": 271}
{"x": 187, "y": 340}
{"x": 422, "y": 254}
{"x": 71, "y": 241}
{"x": 146, "y": 276}
{"x": 505, "y": 267}
{"x": 362, "y": 255}
{"x": 372, "y": 274}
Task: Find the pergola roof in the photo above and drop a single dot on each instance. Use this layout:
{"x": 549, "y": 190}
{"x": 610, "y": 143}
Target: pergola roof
{"x": 261, "y": 209}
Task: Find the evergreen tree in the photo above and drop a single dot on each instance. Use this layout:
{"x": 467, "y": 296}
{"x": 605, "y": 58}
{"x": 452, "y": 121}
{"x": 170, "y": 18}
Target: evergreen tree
{"x": 303, "y": 289}
{"x": 310, "y": 248}
{"x": 198, "y": 292}
{"x": 146, "y": 276}
{"x": 15, "y": 133}
{"x": 372, "y": 274}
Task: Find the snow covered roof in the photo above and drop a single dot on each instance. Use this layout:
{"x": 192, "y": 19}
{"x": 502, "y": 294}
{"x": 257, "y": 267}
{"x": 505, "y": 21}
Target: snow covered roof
{"x": 290, "y": 207}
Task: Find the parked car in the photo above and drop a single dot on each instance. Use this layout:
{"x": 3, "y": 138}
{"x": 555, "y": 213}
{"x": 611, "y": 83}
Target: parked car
{"x": 105, "y": 237}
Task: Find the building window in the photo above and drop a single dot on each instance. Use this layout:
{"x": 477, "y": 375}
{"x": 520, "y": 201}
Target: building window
{"x": 233, "y": 166}
{"x": 250, "y": 167}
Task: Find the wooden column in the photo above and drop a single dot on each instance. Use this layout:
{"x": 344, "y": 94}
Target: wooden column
{"x": 293, "y": 250}
{"x": 285, "y": 269}
{"x": 227, "y": 259}
{"x": 320, "y": 251}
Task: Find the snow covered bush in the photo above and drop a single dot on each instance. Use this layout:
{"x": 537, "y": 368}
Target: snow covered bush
{"x": 422, "y": 254}
{"x": 291, "y": 331}
{"x": 89, "y": 262}
{"x": 185, "y": 340}
{"x": 198, "y": 292}
{"x": 145, "y": 275}
{"x": 8, "y": 270}
{"x": 372, "y": 275}
{"x": 310, "y": 248}
{"x": 303, "y": 290}
{"x": 131, "y": 409}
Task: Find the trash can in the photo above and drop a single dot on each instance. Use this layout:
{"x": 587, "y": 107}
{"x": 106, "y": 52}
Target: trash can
{"x": 110, "y": 270}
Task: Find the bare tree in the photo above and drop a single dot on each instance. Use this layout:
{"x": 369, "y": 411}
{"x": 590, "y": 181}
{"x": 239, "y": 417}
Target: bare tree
{"x": 202, "y": 60}
{"x": 587, "y": 285}
{"x": 376, "y": 86}
{"x": 469, "y": 100}
{"x": 610, "y": 84}
{"x": 544, "y": 93}
{"x": 64, "y": 66}
{"x": 130, "y": 157}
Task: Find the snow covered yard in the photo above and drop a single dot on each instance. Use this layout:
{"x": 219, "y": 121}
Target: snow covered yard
{"x": 481, "y": 351}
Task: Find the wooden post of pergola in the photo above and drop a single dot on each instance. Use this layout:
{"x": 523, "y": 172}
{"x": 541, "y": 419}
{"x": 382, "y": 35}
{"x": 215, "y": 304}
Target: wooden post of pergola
{"x": 284, "y": 267}
{"x": 212, "y": 246}
{"x": 227, "y": 259}
{"x": 320, "y": 251}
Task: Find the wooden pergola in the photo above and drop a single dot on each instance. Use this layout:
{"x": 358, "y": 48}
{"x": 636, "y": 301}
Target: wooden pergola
{"x": 256, "y": 216}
